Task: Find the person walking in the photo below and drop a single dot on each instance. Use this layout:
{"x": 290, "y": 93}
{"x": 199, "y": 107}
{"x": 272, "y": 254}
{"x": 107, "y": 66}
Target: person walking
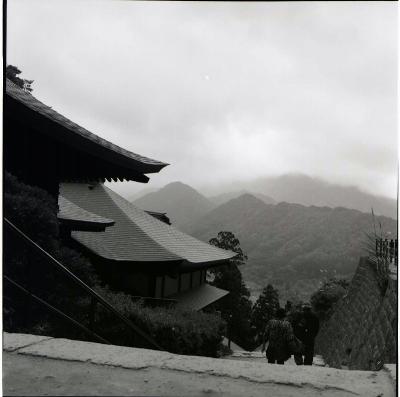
{"x": 279, "y": 335}
{"x": 306, "y": 328}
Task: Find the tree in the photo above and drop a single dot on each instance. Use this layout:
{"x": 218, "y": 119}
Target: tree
{"x": 235, "y": 307}
{"x": 34, "y": 211}
{"x": 228, "y": 241}
{"x": 265, "y": 308}
{"x": 12, "y": 73}
{"x": 323, "y": 300}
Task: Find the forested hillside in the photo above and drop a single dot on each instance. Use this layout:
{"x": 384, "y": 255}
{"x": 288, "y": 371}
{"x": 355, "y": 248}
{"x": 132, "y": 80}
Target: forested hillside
{"x": 292, "y": 246}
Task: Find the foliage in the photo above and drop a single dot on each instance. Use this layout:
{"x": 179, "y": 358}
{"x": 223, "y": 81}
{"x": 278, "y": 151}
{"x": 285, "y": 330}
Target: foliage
{"x": 265, "y": 308}
{"x": 291, "y": 246}
{"x": 228, "y": 241}
{"x": 235, "y": 307}
{"x": 324, "y": 300}
{"x": 177, "y": 331}
{"x": 34, "y": 211}
{"x": 31, "y": 209}
{"x": 12, "y": 73}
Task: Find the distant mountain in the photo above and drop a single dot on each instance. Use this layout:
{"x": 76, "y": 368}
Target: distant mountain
{"x": 182, "y": 203}
{"x": 291, "y": 245}
{"x": 225, "y": 197}
{"x": 141, "y": 193}
{"x": 303, "y": 189}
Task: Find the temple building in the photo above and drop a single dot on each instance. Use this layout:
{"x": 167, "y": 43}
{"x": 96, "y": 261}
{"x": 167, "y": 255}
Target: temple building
{"x": 134, "y": 251}
{"x": 140, "y": 254}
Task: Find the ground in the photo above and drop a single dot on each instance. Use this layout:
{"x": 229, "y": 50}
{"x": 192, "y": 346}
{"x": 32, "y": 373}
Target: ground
{"x": 35, "y": 365}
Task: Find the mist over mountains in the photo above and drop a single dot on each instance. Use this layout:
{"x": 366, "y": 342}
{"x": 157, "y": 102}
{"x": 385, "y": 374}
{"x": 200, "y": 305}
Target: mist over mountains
{"x": 224, "y": 197}
{"x": 307, "y": 190}
{"x": 296, "y": 230}
{"x": 291, "y": 188}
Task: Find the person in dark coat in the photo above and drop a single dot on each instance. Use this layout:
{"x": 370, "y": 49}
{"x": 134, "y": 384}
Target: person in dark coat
{"x": 279, "y": 334}
{"x": 306, "y": 328}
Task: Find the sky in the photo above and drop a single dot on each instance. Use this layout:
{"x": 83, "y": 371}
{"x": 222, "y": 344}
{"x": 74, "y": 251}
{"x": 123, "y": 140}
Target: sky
{"x": 222, "y": 91}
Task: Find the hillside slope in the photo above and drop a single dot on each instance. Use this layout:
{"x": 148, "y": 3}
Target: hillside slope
{"x": 291, "y": 245}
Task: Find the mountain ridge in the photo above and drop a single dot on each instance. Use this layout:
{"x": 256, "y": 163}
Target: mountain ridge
{"x": 292, "y": 246}
{"x": 291, "y": 188}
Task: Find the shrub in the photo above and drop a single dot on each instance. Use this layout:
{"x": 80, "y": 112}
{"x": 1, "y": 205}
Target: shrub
{"x": 324, "y": 300}
{"x": 177, "y": 331}
{"x": 34, "y": 211}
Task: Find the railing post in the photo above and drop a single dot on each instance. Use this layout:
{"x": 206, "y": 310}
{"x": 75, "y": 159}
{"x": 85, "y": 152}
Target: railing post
{"x": 391, "y": 245}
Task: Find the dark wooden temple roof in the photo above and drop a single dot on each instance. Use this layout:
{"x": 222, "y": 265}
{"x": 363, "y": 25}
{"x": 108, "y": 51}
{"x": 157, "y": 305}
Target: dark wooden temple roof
{"x": 76, "y": 218}
{"x": 136, "y": 235}
{"x": 108, "y": 160}
{"x": 198, "y": 298}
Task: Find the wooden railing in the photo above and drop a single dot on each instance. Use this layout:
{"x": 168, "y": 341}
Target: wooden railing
{"x": 38, "y": 270}
{"x": 387, "y": 249}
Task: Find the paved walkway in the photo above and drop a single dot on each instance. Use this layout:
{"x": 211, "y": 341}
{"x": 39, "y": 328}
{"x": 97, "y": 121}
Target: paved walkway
{"x": 35, "y": 365}
{"x": 258, "y": 356}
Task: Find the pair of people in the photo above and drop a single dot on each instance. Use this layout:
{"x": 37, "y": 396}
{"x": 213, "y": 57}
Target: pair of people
{"x": 306, "y": 327}
{"x": 285, "y": 340}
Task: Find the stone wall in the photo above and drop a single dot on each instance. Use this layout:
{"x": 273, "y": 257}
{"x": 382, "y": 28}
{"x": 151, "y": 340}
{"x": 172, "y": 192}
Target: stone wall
{"x": 361, "y": 334}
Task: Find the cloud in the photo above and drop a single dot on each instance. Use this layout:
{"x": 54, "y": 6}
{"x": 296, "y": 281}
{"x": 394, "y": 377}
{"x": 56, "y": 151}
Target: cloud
{"x": 223, "y": 90}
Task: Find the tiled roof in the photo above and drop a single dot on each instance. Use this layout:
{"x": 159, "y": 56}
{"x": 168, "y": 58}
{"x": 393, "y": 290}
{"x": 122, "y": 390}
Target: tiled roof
{"x": 34, "y": 104}
{"x": 71, "y": 212}
{"x": 198, "y": 298}
{"x": 136, "y": 235}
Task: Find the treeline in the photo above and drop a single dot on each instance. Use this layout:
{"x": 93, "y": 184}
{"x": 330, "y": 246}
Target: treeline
{"x": 246, "y": 321}
{"x": 291, "y": 246}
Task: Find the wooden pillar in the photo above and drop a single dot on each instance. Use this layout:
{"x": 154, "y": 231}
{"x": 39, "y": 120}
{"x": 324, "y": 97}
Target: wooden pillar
{"x": 179, "y": 282}
{"x": 162, "y": 286}
{"x": 152, "y": 285}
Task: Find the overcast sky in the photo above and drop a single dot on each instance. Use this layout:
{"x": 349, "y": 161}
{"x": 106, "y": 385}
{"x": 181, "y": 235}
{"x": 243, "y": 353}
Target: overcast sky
{"x": 222, "y": 91}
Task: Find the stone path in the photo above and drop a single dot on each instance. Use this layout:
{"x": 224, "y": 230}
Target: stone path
{"x": 34, "y": 365}
{"x": 258, "y": 356}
